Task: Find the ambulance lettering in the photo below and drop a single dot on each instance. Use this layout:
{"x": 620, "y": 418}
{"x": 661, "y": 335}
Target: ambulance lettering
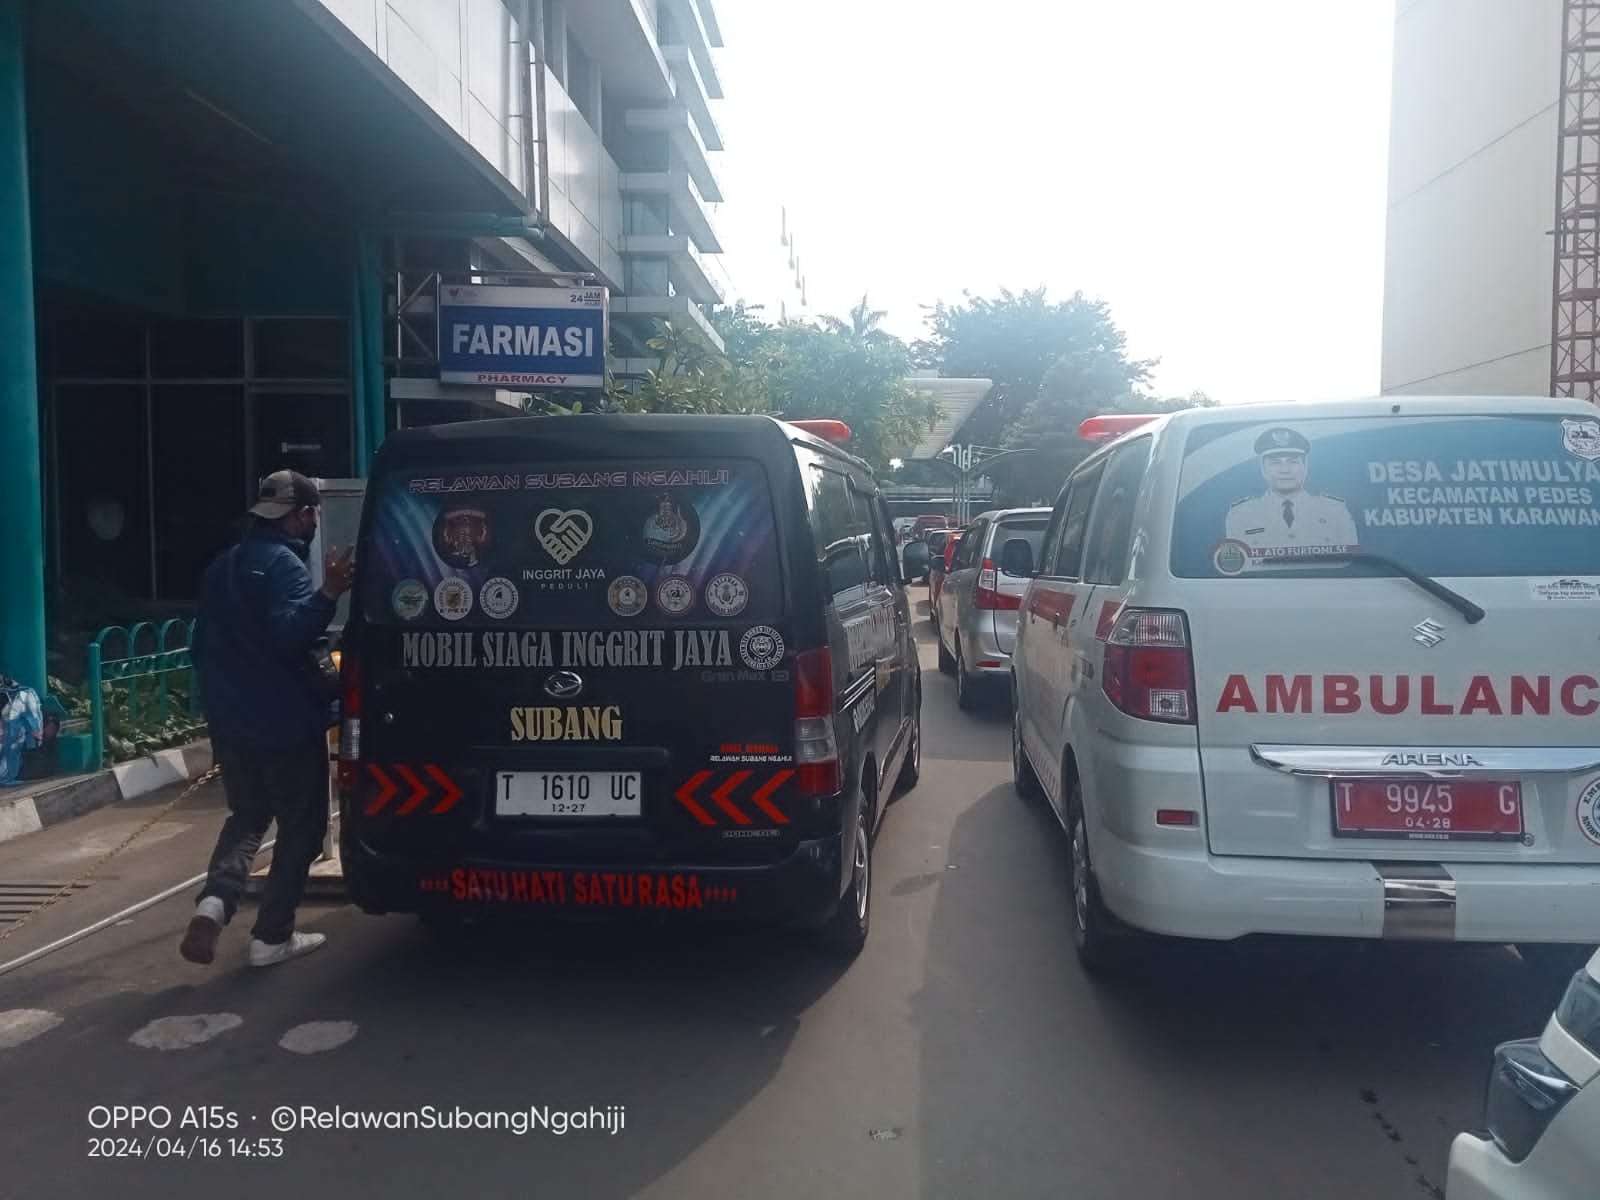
{"x": 1390, "y": 695}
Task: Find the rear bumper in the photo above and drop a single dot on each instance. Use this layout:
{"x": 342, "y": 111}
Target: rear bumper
{"x": 986, "y": 654}
{"x": 1193, "y": 894}
{"x": 801, "y": 888}
{"x": 1479, "y": 1171}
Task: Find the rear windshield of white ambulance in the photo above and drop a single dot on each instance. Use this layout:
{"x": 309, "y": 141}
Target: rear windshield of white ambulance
{"x": 1446, "y": 496}
{"x": 604, "y": 544}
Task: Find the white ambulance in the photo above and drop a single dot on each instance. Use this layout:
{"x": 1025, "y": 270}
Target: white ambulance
{"x": 1326, "y": 669}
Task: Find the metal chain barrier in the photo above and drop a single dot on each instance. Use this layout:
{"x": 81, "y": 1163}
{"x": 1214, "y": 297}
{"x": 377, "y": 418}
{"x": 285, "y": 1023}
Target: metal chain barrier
{"x": 66, "y": 888}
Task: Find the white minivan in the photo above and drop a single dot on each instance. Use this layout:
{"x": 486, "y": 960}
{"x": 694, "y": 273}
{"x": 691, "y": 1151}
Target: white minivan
{"x": 1326, "y": 669}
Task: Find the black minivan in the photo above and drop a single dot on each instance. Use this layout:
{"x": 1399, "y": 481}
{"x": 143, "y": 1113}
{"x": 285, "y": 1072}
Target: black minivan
{"x": 623, "y": 664}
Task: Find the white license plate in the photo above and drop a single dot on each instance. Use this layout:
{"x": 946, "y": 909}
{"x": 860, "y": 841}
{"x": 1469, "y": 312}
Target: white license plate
{"x": 568, "y": 793}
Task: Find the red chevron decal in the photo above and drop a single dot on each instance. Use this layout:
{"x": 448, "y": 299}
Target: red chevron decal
{"x": 762, "y": 798}
{"x": 722, "y": 794}
{"x": 685, "y": 797}
{"x": 419, "y": 790}
{"x": 452, "y": 794}
{"x": 380, "y": 801}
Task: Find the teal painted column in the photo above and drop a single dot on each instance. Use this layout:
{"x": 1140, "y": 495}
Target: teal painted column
{"x": 22, "y": 543}
{"x": 362, "y": 446}
{"x": 371, "y": 388}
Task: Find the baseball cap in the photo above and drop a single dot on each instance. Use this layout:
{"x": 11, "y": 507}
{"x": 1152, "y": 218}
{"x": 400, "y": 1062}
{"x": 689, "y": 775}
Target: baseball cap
{"x": 1282, "y": 441}
{"x": 282, "y": 492}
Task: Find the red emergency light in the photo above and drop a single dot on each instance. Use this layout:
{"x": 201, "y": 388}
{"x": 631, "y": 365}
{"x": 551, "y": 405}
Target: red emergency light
{"x": 836, "y": 432}
{"x": 1111, "y": 425}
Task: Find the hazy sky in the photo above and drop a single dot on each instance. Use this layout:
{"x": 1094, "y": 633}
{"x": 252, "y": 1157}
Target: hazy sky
{"x": 1213, "y": 169}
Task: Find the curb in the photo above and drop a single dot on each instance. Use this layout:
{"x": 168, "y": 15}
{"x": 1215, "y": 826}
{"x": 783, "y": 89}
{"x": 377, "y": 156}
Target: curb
{"x": 54, "y": 801}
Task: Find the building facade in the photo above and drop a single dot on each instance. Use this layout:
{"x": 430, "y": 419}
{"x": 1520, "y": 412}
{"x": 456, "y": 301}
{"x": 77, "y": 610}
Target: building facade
{"x": 224, "y": 224}
{"x": 1472, "y": 194}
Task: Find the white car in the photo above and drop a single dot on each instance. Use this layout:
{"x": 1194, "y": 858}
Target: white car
{"x": 1542, "y": 1113}
{"x": 1323, "y": 669}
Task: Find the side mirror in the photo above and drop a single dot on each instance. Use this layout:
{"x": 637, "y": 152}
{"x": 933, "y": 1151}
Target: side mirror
{"x": 1016, "y": 558}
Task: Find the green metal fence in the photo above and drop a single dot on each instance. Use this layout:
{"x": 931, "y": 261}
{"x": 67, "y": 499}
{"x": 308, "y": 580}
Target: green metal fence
{"x": 152, "y": 684}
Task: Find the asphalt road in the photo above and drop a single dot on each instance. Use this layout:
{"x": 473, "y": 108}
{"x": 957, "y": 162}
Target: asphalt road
{"x": 964, "y": 1054}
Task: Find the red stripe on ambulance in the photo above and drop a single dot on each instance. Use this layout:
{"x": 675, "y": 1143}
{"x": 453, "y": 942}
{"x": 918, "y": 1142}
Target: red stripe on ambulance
{"x": 1390, "y": 695}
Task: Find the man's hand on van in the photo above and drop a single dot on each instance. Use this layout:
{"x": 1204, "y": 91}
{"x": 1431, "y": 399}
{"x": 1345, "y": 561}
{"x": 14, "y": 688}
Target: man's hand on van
{"x": 338, "y": 572}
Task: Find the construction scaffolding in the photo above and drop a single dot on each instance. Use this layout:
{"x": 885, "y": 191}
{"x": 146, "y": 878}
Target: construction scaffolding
{"x": 1575, "y": 328}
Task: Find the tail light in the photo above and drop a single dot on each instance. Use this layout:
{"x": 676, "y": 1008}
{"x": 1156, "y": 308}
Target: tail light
{"x": 349, "y": 720}
{"x": 1149, "y": 671}
{"x": 816, "y": 747}
{"x": 988, "y": 596}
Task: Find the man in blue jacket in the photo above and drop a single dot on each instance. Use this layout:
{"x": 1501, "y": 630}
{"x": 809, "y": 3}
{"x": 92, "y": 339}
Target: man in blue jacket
{"x": 259, "y": 621}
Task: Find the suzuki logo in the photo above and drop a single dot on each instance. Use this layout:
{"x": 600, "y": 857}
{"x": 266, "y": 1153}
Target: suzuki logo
{"x": 1430, "y": 759}
{"x": 563, "y": 685}
{"x": 1428, "y": 633}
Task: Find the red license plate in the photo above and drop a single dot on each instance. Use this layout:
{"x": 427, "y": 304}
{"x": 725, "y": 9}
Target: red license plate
{"x": 1435, "y": 810}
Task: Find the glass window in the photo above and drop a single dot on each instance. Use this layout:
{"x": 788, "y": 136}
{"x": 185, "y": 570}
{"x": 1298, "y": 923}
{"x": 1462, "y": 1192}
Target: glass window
{"x": 880, "y": 542}
{"x": 1493, "y": 494}
{"x": 1027, "y": 529}
{"x": 840, "y": 534}
{"x": 197, "y": 349}
{"x": 1111, "y": 531}
{"x": 575, "y": 544}
{"x": 300, "y": 349}
{"x": 1075, "y": 521}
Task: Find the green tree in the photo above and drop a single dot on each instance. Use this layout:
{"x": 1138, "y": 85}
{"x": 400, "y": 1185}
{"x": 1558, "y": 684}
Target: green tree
{"x": 1014, "y": 339}
{"x": 807, "y": 371}
{"x": 853, "y": 373}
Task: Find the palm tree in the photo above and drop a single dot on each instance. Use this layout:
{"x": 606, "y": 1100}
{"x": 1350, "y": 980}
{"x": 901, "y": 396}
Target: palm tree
{"x": 863, "y": 324}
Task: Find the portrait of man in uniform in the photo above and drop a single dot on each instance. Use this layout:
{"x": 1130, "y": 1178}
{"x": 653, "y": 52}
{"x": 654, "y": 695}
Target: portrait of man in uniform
{"x": 1286, "y": 515}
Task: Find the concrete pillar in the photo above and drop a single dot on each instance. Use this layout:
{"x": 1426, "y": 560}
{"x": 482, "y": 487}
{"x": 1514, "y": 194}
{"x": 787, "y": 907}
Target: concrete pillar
{"x": 22, "y": 642}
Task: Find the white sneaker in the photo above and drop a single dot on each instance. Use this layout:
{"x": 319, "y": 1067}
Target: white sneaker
{"x": 199, "y": 943}
{"x": 266, "y": 954}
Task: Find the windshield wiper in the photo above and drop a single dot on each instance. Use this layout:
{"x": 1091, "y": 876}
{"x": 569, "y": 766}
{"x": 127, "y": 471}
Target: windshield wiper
{"x": 1427, "y": 583}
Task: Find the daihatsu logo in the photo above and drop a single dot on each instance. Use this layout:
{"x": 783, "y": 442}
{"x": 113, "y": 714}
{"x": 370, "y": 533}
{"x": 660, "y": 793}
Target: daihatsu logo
{"x": 1429, "y": 633}
{"x": 1430, "y": 759}
{"x": 563, "y": 685}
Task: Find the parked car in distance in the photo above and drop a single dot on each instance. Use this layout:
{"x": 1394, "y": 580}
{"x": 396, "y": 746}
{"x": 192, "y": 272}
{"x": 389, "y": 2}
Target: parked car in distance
{"x": 941, "y": 542}
{"x": 1542, "y": 1111}
{"x": 982, "y": 593}
{"x": 1270, "y": 687}
{"x": 928, "y": 522}
{"x": 914, "y": 560}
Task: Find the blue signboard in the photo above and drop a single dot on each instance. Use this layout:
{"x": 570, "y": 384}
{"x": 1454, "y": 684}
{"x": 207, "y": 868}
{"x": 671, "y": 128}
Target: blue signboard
{"x": 523, "y": 336}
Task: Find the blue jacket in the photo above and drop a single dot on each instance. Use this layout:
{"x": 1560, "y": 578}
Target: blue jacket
{"x": 259, "y": 618}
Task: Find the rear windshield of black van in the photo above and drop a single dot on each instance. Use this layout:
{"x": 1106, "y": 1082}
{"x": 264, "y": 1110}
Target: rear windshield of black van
{"x": 591, "y": 544}
{"x": 1513, "y": 494}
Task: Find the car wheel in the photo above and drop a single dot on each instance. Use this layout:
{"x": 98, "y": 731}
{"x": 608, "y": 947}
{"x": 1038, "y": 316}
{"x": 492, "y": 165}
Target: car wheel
{"x": 947, "y": 662}
{"x": 966, "y": 686}
{"x": 911, "y": 770}
{"x": 1023, "y": 775}
{"x": 1094, "y": 934}
{"x": 846, "y": 931}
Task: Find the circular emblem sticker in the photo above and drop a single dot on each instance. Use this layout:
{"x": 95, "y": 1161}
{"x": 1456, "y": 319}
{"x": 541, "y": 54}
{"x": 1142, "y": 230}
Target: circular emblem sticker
{"x": 410, "y": 599}
{"x": 1589, "y": 812}
{"x": 627, "y": 595}
{"x": 671, "y": 530}
{"x": 461, "y": 535}
{"x": 675, "y": 595}
{"x": 727, "y": 594}
{"x": 453, "y": 598}
{"x": 1231, "y": 557}
{"x": 498, "y": 598}
{"x": 761, "y": 648}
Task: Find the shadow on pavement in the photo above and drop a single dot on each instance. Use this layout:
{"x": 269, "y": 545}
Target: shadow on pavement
{"x": 683, "y": 1028}
{"x": 1297, "y": 1068}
